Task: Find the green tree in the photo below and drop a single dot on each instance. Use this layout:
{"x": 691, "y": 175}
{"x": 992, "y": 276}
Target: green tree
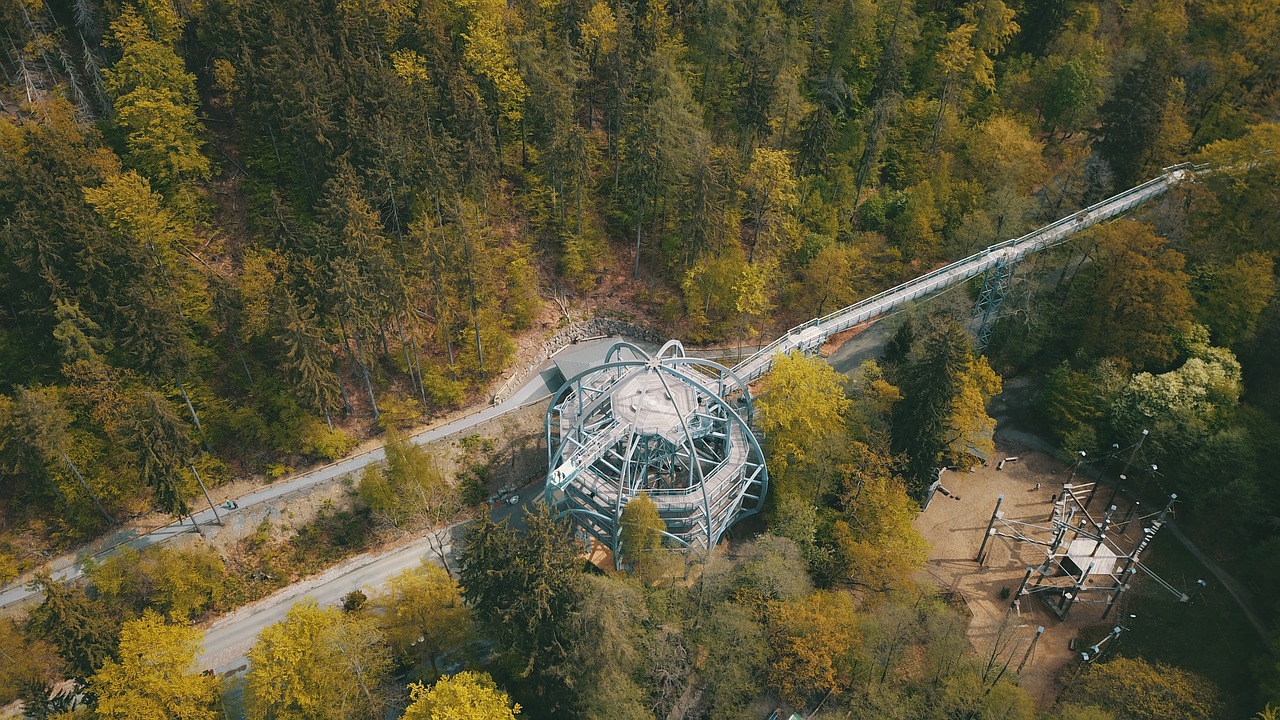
{"x": 308, "y": 359}
{"x": 465, "y": 696}
{"x": 942, "y": 414}
{"x": 1231, "y": 296}
{"x": 1132, "y": 119}
{"x": 409, "y": 487}
{"x": 28, "y": 661}
{"x": 162, "y": 450}
{"x": 640, "y": 541}
{"x": 38, "y": 437}
{"x": 527, "y": 589}
{"x": 84, "y": 633}
{"x": 834, "y": 278}
{"x": 664, "y": 136}
{"x": 155, "y": 678}
{"x": 737, "y": 656}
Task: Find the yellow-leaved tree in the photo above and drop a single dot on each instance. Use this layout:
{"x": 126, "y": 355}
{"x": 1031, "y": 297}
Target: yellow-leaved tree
{"x": 465, "y": 696}
{"x": 422, "y": 613}
{"x": 801, "y": 404}
{"x": 813, "y": 641}
{"x": 319, "y": 663}
{"x": 971, "y": 430}
{"x": 155, "y": 678}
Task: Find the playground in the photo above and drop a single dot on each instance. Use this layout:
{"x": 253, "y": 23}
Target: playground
{"x": 1004, "y": 622}
{"x": 1207, "y": 634}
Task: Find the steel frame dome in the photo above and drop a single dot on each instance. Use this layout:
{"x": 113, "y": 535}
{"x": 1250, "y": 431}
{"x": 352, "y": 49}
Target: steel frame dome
{"x": 674, "y": 427}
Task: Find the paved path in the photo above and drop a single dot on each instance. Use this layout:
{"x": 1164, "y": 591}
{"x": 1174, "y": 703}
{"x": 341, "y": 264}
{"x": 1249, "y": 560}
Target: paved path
{"x": 228, "y": 639}
{"x": 537, "y": 388}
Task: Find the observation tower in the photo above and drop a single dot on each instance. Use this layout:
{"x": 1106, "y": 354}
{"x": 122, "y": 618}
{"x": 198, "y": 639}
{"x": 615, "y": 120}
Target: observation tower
{"x": 674, "y": 427}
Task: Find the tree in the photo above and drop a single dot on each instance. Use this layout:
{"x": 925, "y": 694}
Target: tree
{"x": 813, "y": 641}
{"x": 640, "y": 541}
{"x": 308, "y": 359}
{"x": 770, "y": 188}
{"x": 875, "y": 544}
{"x": 1139, "y": 690}
{"x": 78, "y": 628}
{"x": 664, "y": 137}
{"x": 27, "y": 661}
{"x": 162, "y": 450}
{"x": 737, "y": 656}
{"x": 1140, "y": 300}
{"x": 421, "y": 613}
{"x": 409, "y": 487}
{"x": 316, "y": 664}
{"x": 1132, "y": 119}
{"x": 966, "y": 58}
{"x": 39, "y": 439}
{"x": 1231, "y": 296}
{"x": 527, "y": 588}
{"x": 465, "y": 696}
{"x": 945, "y": 388}
{"x": 801, "y": 402}
{"x": 772, "y": 571}
{"x": 609, "y": 648}
{"x": 180, "y": 583}
{"x": 154, "y": 679}
{"x": 155, "y": 101}
{"x": 834, "y": 278}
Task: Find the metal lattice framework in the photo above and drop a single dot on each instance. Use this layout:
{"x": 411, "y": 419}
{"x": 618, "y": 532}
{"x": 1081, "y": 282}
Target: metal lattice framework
{"x": 676, "y": 428}
{"x": 1083, "y": 555}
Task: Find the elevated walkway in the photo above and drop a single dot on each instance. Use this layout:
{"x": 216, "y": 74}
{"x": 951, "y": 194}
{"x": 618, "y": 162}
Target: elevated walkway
{"x": 810, "y": 335}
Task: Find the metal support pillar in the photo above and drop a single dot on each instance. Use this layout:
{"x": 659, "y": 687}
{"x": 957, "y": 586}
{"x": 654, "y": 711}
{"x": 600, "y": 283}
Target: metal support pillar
{"x": 1133, "y": 455}
{"x": 1075, "y": 595}
{"x": 996, "y": 282}
{"x": 1030, "y": 648}
{"x": 207, "y": 499}
{"x": 1022, "y": 586}
{"x": 986, "y": 537}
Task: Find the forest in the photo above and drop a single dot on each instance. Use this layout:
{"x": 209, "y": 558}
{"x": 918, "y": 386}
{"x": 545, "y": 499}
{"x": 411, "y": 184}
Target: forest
{"x": 240, "y": 237}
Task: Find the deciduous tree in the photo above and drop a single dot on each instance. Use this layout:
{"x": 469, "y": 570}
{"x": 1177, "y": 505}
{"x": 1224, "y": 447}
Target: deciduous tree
{"x": 801, "y": 402}
{"x": 465, "y": 696}
{"x": 814, "y": 640}
{"x": 317, "y": 664}
{"x": 155, "y": 678}
{"x": 422, "y": 614}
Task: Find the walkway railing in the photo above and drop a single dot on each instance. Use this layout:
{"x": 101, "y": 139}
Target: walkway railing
{"x": 812, "y": 333}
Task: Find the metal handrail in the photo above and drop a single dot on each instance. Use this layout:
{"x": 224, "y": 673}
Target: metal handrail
{"x": 1042, "y": 238}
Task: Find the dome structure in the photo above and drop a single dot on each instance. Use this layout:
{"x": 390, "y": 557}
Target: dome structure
{"x": 673, "y": 427}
